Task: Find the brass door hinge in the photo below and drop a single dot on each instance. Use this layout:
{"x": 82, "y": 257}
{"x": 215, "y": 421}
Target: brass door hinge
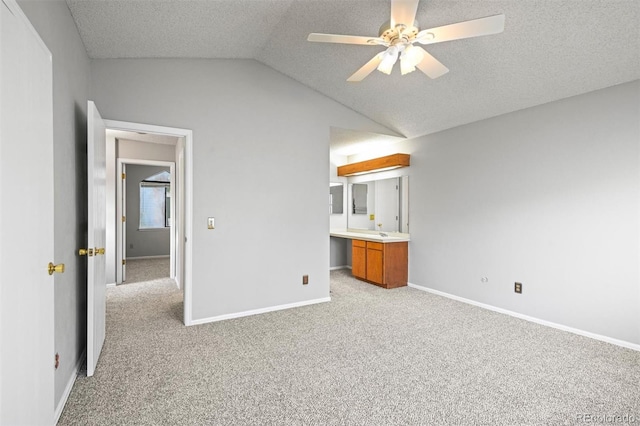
{"x": 124, "y": 219}
{"x": 124, "y": 176}
{"x": 124, "y": 261}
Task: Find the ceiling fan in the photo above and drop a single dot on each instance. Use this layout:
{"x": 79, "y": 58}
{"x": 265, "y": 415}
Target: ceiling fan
{"x": 400, "y": 35}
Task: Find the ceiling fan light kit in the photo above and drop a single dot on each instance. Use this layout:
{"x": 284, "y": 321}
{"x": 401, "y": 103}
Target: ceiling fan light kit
{"x": 399, "y": 36}
{"x": 389, "y": 59}
{"x": 410, "y": 57}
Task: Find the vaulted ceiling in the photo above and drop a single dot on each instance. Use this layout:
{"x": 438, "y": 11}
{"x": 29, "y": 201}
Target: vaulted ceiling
{"x": 550, "y": 49}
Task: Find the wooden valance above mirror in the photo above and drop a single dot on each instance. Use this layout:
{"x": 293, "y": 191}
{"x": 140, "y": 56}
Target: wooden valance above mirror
{"x": 389, "y": 162}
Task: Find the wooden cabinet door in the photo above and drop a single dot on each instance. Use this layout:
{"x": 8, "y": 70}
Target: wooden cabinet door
{"x": 359, "y": 259}
{"x": 396, "y": 269}
{"x": 375, "y": 263}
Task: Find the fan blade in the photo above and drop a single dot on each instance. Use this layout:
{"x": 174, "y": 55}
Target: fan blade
{"x": 477, "y": 27}
{"x": 367, "y": 68}
{"x": 430, "y": 65}
{"x": 403, "y": 12}
{"x": 346, "y": 39}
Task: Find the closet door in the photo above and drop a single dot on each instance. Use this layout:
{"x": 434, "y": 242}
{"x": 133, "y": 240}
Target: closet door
{"x": 27, "y": 353}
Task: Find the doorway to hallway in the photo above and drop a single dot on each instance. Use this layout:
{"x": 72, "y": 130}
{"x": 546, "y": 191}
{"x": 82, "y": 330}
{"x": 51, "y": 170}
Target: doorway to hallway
{"x": 179, "y": 193}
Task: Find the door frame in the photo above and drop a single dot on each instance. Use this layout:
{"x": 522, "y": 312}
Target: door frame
{"x": 183, "y": 175}
{"x": 121, "y": 211}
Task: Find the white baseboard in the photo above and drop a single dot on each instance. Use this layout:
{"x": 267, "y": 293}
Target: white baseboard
{"x": 258, "y": 311}
{"x": 577, "y": 331}
{"x": 111, "y": 284}
{"x": 335, "y": 268}
{"x": 67, "y": 389}
{"x": 164, "y": 256}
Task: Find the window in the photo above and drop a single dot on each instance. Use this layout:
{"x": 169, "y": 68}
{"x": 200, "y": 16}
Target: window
{"x": 155, "y": 201}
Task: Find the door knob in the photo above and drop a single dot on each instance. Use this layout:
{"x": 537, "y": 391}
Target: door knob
{"x": 85, "y": 252}
{"x": 56, "y": 268}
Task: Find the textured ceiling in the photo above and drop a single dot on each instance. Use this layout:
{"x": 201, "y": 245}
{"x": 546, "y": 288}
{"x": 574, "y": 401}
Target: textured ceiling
{"x": 550, "y": 49}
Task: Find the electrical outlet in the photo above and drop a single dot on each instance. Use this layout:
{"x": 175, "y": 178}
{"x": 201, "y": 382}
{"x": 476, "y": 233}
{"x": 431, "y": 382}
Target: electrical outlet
{"x": 305, "y": 279}
{"x": 517, "y": 288}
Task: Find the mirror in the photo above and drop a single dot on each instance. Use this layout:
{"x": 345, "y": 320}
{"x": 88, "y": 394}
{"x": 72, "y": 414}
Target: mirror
{"x": 336, "y": 197}
{"x": 359, "y": 198}
{"x": 380, "y": 205}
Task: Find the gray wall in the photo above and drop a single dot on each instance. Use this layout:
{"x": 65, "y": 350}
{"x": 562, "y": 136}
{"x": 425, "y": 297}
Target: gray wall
{"x": 261, "y": 142}
{"x": 338, "y": 252}
{"x": 71, "y": 81}
{"x": 547, "y": 196}
{"x": 150, "y": 242}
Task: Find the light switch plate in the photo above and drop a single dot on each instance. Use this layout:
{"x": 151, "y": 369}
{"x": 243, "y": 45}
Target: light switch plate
{"x": 211, "y": 223}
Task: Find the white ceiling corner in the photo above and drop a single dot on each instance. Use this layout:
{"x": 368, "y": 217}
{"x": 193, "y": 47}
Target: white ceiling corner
{"x": 550, "y": 49}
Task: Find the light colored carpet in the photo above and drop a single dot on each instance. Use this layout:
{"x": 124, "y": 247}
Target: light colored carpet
{"x": 369, "y": 357}
{"x": 140, "y": 270}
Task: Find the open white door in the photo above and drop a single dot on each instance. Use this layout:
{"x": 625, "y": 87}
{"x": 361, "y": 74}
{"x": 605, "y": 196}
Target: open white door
{"x": 96, "y": 236}
{"x": 26, "y": 223}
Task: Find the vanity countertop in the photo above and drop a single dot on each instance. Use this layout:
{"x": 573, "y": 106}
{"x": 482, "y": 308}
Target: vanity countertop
{"x": 361, "y": 234}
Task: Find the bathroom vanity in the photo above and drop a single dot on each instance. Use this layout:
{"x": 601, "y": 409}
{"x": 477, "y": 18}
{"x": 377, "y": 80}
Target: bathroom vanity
{"x": 376, "y": 234}
{"x": 379, "y": 260}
